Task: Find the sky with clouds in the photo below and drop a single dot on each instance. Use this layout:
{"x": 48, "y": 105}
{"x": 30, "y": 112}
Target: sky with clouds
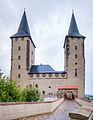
{"x": 49, "y": 22}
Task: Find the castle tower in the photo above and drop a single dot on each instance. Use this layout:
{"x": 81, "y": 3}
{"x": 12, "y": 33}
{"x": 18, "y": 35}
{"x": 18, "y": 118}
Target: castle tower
{"x": 22, "y": 52}
{"x": 74, "y": 57}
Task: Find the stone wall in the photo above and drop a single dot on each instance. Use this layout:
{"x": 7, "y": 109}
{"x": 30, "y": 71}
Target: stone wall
{"x": 9, "y": 111}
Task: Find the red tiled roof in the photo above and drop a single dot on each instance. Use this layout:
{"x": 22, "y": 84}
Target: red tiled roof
{"x": 67, "y": 87}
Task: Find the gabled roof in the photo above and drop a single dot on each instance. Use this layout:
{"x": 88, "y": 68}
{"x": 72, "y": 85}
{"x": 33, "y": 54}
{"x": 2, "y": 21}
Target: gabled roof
{"x": 43, "y": 69}
{"x": 73, "y": 29}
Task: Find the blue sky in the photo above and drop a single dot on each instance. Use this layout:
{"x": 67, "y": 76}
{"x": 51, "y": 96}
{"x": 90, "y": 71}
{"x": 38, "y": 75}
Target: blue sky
{"x": 49, "y": 22}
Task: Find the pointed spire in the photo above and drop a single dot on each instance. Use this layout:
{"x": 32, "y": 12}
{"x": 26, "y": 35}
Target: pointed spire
{"x": 23, "y": 30}
{"x": 73, "y": 29}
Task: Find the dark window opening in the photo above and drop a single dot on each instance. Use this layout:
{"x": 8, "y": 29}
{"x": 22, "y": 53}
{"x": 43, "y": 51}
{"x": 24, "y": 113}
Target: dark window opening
{"x": 18, "y": 75}
{"x": 75, "y": 63}
{"x": 19, "y": 57}
{"x": 19, "y": 48}
{"x": 19, "y": 66}
{"x": 75, "y": 55}
{"x": 36, "y": 85}
{"x": 49, "y": 86}
{"x": 75, "y": 47}
{"x": 43, "y": 92}
{"x": 75, "y": 72}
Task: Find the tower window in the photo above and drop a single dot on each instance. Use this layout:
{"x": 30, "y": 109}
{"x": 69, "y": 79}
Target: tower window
{"x": 75, "y": 63}
{"x": 75, "y": 55}
{"x": 19, "y": 66}
{"x": 18, "y": 75}
{"x": 43, "y": 92}
{"x": 75, "y": 47}
{"x": 19, "y": 57}
{"x": 75, "y": 72}
{"x": 49, "y": 86}
{"x": 19, "y": 48}
{"x": 36, "y": 85}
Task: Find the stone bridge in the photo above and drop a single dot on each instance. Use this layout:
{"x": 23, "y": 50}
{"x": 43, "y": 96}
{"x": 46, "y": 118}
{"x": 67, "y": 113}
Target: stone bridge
{"x": 61, "y": 109}
{"x": 68, "y": 110}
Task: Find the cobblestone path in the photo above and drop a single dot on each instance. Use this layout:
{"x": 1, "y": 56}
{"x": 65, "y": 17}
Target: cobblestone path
{"x": 61, "y": 113}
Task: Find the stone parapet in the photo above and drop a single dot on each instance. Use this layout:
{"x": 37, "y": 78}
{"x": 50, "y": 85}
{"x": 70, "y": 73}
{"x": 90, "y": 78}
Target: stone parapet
{"x": 9, "y": 111}
{"x": 85, "y": 112}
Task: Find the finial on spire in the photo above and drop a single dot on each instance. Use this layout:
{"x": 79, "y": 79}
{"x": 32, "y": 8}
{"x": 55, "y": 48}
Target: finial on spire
{"x": 72, "y": 11}
{"x": 24, "y": 9}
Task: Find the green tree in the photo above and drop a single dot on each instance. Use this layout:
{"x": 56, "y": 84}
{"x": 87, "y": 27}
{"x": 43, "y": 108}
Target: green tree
{"x": 30, "y": 94}
{"x": 9, "y": 91}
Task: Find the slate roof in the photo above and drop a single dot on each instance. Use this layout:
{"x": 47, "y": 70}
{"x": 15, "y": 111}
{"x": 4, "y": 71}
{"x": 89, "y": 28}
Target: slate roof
{"x": 73, "y": 29}
{"x": 23, "y": 30}
{"x": 43, "y": 69}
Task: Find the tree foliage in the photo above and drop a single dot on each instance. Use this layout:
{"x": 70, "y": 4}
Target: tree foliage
{"x": 10, "y": 92}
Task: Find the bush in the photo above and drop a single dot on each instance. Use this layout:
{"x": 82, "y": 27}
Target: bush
{"x": 30, "y": 94}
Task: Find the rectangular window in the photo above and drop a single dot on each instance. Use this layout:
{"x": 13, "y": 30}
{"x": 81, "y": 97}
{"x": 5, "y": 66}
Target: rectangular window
{"x": 43, "y": 92}
{"x": 49, "y": 86}
{"x": 75, "y": 47}
{"x": 19, "y": 66}
{"x": 75, "y": 72}
{"x": 19, "y": 57}
{"x": 18, "y": 75}
{"x": 75, "y": 55}
{"x": 36, "y": 85}
{"x": 19, "y": 48}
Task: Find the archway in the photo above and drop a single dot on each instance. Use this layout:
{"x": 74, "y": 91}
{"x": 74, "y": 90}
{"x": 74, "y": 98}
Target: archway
{"x": 69, "y": 95}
